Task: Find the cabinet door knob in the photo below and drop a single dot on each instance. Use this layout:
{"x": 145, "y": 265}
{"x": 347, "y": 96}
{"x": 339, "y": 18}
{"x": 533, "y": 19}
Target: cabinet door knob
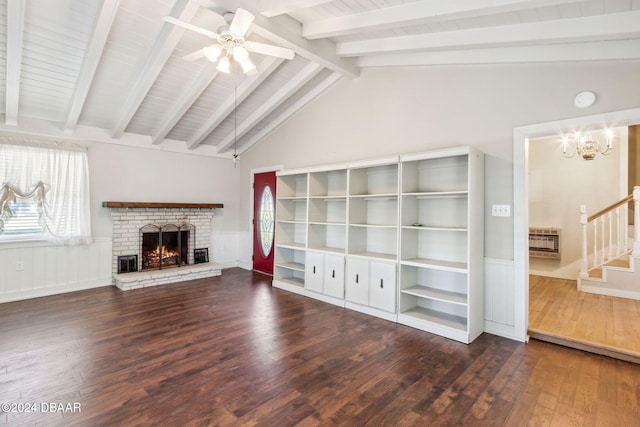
{"x": 381, "y": 283}
{"x": 333, "y": 274}
{"x": 356, "y": 278}
{"x": 314, "y": 269}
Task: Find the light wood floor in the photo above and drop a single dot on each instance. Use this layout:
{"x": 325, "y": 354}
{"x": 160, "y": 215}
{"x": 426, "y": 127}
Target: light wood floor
{"x": 559, "y": 313}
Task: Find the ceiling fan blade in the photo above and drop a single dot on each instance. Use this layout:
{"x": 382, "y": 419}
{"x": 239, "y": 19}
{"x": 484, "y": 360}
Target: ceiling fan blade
{"x": 191, "y": 27}
{"x": 267, "y": 49}
{"x": 242, "y": 20}
{"x": 194, "y": 56}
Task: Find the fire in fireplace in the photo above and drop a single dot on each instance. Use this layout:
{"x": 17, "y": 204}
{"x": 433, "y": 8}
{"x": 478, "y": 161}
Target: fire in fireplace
{"x": 166, "y": 246}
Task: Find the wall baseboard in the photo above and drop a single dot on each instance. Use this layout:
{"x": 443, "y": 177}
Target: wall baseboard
{"x": 55, "y": 290}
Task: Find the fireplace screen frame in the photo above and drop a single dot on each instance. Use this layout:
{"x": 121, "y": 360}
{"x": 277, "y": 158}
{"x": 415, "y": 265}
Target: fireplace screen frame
{"x": 184, "y": 256}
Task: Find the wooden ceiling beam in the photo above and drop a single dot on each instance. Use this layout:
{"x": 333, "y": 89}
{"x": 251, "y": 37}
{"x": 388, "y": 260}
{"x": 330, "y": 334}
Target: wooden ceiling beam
{"x": 587, "y": 51}
{"x": 271, "y": 8}
{"x": 197, "y": 87}
{"x": 287, "y": 90}
{"x": 93, "y": 54}
{"x": 15, "y": 32}
{"x": 424, "y": 11}
{"x": 301, "y": 102}
{"x": 149, "y": 70}
{"x": 611, "y": 26}
{"x": 248, "y": 85}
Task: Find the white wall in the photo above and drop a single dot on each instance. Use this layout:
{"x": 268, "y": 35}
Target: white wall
{"x": 401, "y": 110}
{"x": 120, "y": 173}
{"x": 557, "y": 188}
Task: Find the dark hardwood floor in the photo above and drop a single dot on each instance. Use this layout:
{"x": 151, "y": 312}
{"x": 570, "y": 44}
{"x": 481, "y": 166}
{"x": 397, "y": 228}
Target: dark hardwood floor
{"x": 231, "y": 350}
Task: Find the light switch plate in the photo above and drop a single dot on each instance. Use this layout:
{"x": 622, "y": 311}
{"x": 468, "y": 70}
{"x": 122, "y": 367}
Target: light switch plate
{"x": 500, "y": 210}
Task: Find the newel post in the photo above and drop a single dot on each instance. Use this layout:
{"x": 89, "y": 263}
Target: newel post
{"x": 636, "y": 221}
{"x": 583, "y": 226}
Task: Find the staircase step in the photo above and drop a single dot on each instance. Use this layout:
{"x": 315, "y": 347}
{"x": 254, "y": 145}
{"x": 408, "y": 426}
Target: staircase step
{"x": 621, "y": 263}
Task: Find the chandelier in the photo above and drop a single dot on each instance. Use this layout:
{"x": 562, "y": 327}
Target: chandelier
{"x": 585, "y": 146}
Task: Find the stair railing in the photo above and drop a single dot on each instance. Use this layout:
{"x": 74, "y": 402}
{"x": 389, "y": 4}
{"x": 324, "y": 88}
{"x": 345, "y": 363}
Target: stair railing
{"x": 610, "y": 237}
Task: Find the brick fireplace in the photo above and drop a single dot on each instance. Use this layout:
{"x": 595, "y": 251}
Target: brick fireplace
{"x": 132, "y": 220}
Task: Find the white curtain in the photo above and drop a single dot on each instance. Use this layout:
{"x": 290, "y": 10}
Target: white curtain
{"x": 58, "y": 179}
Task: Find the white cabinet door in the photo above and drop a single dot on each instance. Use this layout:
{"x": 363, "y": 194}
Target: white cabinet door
{"x": 382, "y": 290}
{"x": 314, "y": 266}
{"x": 357, "y": 286}
{"x": 334, "y": 275}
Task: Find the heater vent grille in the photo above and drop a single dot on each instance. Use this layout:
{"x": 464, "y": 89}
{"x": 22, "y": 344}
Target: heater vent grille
{"x": 544, "y": 243}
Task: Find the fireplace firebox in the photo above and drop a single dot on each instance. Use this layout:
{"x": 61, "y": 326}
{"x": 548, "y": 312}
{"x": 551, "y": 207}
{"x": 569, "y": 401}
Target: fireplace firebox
{"x": 165, "y": 246}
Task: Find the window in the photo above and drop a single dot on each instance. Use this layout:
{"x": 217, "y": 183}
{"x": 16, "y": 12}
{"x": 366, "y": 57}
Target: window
{"x": 44, "y": 193}
{"x": 23, "y": 218}
{"x": 266, "y": 221}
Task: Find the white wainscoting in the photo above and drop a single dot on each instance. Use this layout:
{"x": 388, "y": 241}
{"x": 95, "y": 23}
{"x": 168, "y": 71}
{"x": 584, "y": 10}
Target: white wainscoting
{"x": 499, "y": 295}
{"x": 245, "y": 239}
{"x": 226, "y": 248}
{"x": 51, "y": 269}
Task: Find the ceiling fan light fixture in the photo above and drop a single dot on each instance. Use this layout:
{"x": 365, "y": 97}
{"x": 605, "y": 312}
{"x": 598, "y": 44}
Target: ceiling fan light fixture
{"x": 224, "y": 66}
{"x": 240, "y": 53}
{"x": 247, "y": 66}
{"x": 231, "y": 43}
{"x": 212, "y": 53}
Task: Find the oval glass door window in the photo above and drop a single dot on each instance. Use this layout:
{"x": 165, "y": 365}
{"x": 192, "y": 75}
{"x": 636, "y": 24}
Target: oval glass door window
{"x": 266, "y": 221}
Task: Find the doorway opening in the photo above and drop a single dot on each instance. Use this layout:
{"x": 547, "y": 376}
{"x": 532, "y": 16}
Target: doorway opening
{"x": 522, "y": 137}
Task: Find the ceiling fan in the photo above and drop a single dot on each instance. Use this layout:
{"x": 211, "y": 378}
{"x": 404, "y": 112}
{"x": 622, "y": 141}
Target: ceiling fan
{"x": 230, "y": 42}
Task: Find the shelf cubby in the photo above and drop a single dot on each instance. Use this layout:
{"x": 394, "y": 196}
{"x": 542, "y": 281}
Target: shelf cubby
{"x": 437, "y": 317}
{"x": 291, "y": 234}
{"x": 330, "y": 183}
{"x": 291, "y": 186}
{"x": 445, "y": 244}
{"x": 373, "y": 210}
{"x": 435, "y": 296}
{"x": 374, "y": 180}
{"x": 291, "y": 276}
{"x": 432, "y": 211}
{"x": 435, "y": 284}
{"x": 330, "y": 210}
{"x": 291, "y": 210}
{"x": 436, "y": 175}
{"x": 327, "y": 237}
{"x": 373, "y": 241}
{"x": 290, "y": 258}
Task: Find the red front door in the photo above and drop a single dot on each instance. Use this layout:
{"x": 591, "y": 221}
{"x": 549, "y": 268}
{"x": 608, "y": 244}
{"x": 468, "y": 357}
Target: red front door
{"x": 264, "y": 216}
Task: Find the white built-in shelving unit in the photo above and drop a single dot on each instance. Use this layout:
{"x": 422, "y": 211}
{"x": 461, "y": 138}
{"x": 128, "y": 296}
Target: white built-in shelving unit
{"x": 371, "y": 282}
{"x": 398, "y": 238}
{"x": 441, "y": 281}
{"x": 291, "y": 230}
{"x": 324, "y": 274}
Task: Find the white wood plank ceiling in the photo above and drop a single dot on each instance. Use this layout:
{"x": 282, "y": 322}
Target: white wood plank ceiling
{"x": 113, "y": 70}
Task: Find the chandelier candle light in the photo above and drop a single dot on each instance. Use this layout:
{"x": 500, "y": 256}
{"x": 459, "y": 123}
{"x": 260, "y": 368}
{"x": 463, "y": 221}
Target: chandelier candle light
{"x": 586, "y": 146}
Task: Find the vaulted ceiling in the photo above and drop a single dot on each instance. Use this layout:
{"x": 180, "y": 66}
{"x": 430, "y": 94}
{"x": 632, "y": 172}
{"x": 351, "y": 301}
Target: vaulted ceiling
{"x": 113, "y": 70}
